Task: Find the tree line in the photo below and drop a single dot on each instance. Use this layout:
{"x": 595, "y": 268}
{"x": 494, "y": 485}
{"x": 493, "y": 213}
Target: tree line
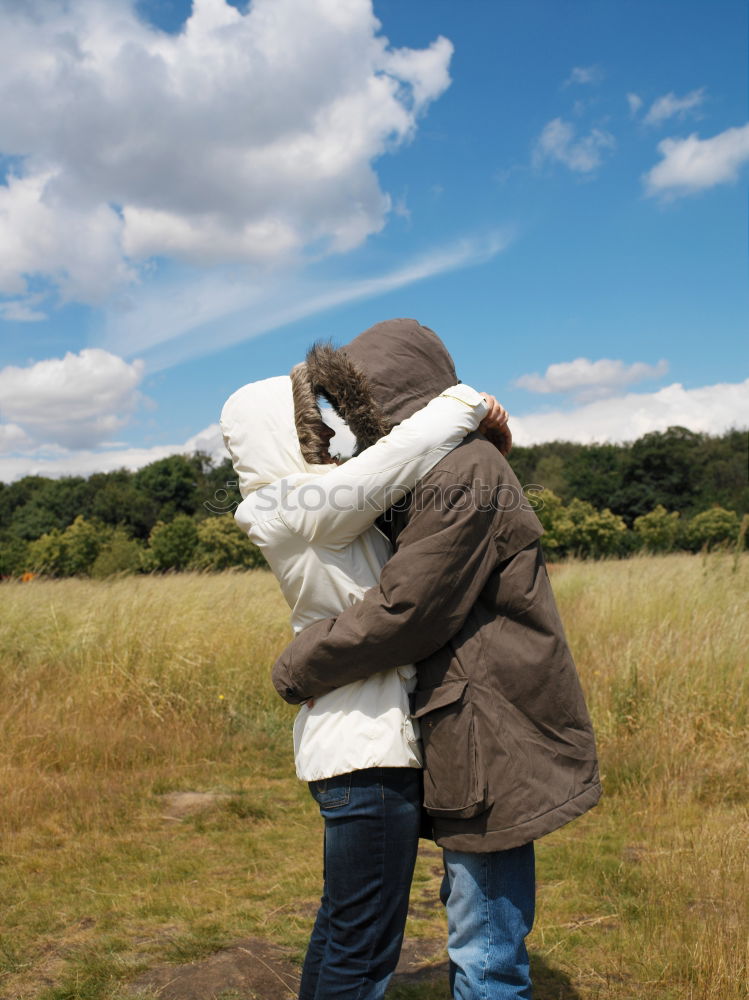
{"x": 668, "y": 490}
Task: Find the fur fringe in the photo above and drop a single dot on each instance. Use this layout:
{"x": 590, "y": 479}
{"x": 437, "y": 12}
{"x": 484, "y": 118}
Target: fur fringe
{"x": 307, "y": 416}
{"x": 335, "y": 377}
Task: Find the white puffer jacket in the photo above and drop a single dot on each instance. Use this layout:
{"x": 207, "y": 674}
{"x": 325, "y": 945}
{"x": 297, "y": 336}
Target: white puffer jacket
{"x": 315, "y": 526}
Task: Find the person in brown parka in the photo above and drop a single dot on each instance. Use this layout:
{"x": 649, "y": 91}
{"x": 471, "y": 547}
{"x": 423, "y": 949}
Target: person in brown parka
{"x": 509, "y": 750}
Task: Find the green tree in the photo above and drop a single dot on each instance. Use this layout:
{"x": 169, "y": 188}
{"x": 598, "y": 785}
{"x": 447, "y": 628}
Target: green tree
{"x": 15, "y": 495}
{"x": 14, "y": 558}
{"x": 551, "y": 474}
{"x": 172, "y": 545}
{"x": 52, "y": 503}
{"x": 595, "y": 473}
{"x": 659, "y": 530}
{"x": 221, "y": 479}
{"x": 172, "y": 484}
{"x": 723, "y": 463}
{"x": 660, "y": 468}
{"x": 116, "y": 500}
{"x": 222, "y": 544}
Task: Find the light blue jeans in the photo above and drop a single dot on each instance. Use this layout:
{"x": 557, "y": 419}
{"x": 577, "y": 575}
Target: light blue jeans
{"x": 490, "y": 901}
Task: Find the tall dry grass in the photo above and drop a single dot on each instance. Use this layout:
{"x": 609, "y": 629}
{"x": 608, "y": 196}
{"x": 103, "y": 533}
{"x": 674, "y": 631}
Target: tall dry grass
{"x": 102, "y": 682}
{"x": 114, "y": 693}
{"x": 663, "y": 648}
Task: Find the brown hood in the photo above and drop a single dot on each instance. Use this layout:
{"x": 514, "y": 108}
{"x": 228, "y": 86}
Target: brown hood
{"x": 374, "y": 382}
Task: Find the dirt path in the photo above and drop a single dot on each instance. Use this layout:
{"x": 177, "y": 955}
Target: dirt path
{"x": 252, "y": 969}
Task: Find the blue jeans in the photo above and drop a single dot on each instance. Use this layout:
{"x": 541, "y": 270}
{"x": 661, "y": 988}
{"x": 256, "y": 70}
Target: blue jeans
{"x": 490, "y": 900}
{"x": 371, "y": 837}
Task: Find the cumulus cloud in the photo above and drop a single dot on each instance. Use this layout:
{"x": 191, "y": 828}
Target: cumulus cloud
{"x": 558, "y": 141}
{"x": 248, "y": 136}
{"x": 13, "y": 438}
{"x": 77, "y": 246}
{"x": 587, "y": 379}
{"x": 584, "y": 75}
{"x": 73, "y": 402}
{"x": 671, "y": 106}
{"x": 693, "y": 164}
{"x": 712, "y": 409}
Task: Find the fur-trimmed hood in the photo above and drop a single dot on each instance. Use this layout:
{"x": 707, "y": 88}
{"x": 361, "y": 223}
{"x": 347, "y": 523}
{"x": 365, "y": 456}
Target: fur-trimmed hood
{"x": 257, "y": 422}
{"x": 373, "y": 383}
{"x": 272, "y": 427}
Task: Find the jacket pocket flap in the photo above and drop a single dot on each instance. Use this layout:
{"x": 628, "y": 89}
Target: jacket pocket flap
{"x": 438, "y": 697}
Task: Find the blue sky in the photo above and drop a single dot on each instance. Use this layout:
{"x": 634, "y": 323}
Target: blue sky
{"x": 192, "y": 194}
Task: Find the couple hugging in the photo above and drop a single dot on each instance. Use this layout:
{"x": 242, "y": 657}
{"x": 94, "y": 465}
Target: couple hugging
{"x": 438, "y": 695}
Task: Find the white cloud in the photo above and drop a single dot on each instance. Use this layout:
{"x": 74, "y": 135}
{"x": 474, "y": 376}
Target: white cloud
{"x": 22, "y": 310}
{"x": 249, "y": 136}
{"x": 76, "y": 401}
{"x": 63, "y": 462}
{"x": 210, "y": 440}
{"x": 76, "y": 245}
{"x": 558, "y": 141}
{"x": 693, "y": 164}
{"x": 635, "y": 103}
{"x": 584, "y": 75}
{"x": 55, "y": 461}
{"x": 671, "y": 106}
{"x": 171, "y": 324}
{"x": 712, "y": 409}
{"x": 13, "y": 438}
{"x": 588, "y": 379}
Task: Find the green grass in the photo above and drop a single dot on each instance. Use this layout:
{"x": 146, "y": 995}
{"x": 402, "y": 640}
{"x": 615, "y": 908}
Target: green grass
{"x": 117, "y": 694}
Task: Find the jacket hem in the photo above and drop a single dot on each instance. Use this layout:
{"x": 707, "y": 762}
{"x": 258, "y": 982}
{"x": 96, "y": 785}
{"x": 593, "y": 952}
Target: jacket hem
{"x": 478, "y": 841}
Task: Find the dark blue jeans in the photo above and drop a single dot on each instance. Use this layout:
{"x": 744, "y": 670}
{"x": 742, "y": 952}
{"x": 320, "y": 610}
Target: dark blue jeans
{"x": 371, "y": 837}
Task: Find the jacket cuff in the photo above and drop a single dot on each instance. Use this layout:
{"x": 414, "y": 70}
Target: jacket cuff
{"x": 282, "y": 681}
{"x": 466, "y": 395}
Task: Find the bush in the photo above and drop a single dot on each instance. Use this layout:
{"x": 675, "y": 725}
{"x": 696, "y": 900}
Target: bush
{"x": 119, "y": 556}
{"x": 594, "y": 533}
{"x": 581, "y": 530}
{"x": 48, "y": 554}
{"x": 222, "y": 544}
{"x": 82, "y": 540}
{"x": 659, "y": 530}
{"x": 550, "y": 514}
{"x": 68, "y": 553}
{"x": 713, "y": 528}
{"x": 172, "y": 545}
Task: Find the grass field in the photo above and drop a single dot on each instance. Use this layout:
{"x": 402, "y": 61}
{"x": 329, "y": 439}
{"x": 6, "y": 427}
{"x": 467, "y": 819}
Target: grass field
{"x": 116, "y": 695}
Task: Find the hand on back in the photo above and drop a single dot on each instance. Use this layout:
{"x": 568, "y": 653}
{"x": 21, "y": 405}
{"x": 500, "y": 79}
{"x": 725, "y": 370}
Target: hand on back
{"x": 495, "y": 426}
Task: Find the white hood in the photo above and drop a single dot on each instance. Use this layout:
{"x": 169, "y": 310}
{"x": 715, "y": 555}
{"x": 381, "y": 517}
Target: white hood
{"x": 257, "y": 422}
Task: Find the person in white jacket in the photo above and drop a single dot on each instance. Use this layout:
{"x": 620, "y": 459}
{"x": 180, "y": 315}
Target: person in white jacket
{"x": 356, "y": 746}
